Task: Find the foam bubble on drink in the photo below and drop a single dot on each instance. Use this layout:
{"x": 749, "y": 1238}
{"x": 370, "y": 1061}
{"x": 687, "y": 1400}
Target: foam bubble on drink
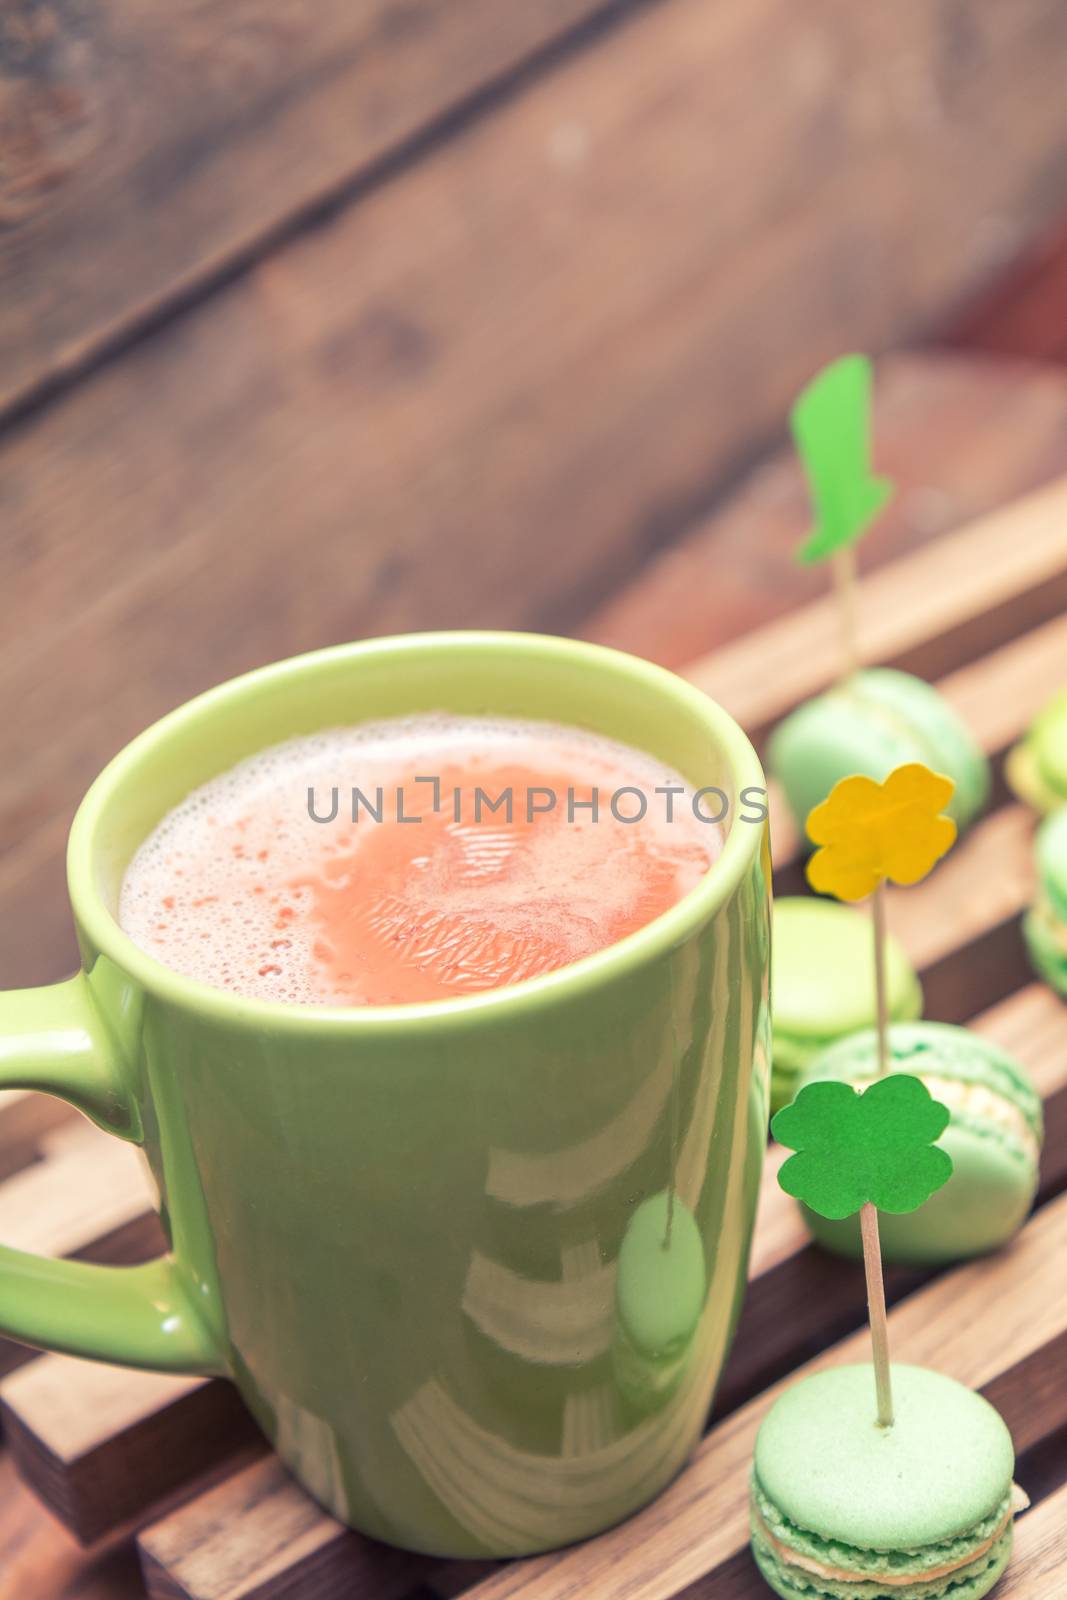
{"x": 239, "y": 887}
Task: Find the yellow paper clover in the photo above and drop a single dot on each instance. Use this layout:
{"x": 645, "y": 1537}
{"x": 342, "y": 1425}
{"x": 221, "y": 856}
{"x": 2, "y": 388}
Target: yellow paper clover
{"x": 868, "y": 832}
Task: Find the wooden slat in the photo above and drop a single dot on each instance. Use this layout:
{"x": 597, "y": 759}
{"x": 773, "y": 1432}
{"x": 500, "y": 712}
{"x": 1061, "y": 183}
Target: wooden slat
{"x": 90, "y": 1188}
{"x": 998, "y": 695}
{"x": 1032, "y": 1025}
{"x": 797, "y": 1297}
{"x": 293, "y": 104}
{"x": 429, "y": 394}
{"x": 925, "y": 612}
{"x": 87, "y": 1188}
{"x": 87, "y": 1198}
{"x": 257, "y": 1537}
{"x": 1038, "y": 1569}
{"x": 1024, "y": 312}
{"x": 100, "y": 1444}
{"x": 961, "y": 925}
{"x": 39, "y": 1561}
{"x": 26, "y": 1119}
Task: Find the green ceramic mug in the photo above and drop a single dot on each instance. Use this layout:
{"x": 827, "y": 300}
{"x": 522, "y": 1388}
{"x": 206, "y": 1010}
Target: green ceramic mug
{"x": 474, "y": 1264}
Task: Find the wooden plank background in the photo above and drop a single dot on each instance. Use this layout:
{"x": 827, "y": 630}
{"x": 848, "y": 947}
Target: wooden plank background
{"x": 892, "y": 155}
{"x": 230, "y": 123}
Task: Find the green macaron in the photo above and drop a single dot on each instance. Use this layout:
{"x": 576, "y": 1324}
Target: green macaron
{"x": 1036, "y": 768}
{"x": 994, "y": 1138}
{"x": 843, "y": 1509}
{"x": 1045, "y": 924}
{"x": 822, "y": 984}
{"x": 874, "y": 721}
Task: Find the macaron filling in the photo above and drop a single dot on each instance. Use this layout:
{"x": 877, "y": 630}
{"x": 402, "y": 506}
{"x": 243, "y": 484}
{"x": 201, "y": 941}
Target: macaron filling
{"x": 834, "y": 1562}
{"x": 969, "y": 1582}
{"x": 1052, "y": 928}
{"x": 1027, "y": 781}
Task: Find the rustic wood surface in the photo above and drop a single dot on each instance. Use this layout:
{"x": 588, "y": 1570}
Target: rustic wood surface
{"x": 126, "y": 195}
{"x": 26, "y": 1119}
{"x": 293, "y": 107}
{"x": 39, "y": 1562}
{"x": 253, "y": 1535}
{"x": 99, "y": 1444}
{"x": 1024, "y": 312}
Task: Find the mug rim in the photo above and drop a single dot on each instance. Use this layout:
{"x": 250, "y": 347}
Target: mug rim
{"x": 648, "y": 943}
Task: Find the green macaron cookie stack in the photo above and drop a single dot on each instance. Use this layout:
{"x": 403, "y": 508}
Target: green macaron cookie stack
{"x": 994, "y": 1138}
{"x": 872, "y": 722}
{"x": 822, "y": 984}
{"x": 1036, "y": 768}
{"x": 843, "y": 1509}
{"x": 1045, "y": 924}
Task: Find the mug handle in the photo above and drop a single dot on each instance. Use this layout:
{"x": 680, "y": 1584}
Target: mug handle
{"x": 52, "y": 1040}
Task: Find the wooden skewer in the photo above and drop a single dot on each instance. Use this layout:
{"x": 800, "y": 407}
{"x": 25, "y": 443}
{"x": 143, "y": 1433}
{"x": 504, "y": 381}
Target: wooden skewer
{"x": 881, "y": 1006}
{"x": 845, "y": 586}
{"x": 872, "y": 1266}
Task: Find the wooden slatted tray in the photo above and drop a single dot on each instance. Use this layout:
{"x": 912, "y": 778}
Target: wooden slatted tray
{"x": 177, "y": 1464}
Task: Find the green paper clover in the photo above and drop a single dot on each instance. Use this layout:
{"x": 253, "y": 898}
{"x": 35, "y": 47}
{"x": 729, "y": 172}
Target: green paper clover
{"x": 856, "y": 1148}
{"x": 831, "y": 426}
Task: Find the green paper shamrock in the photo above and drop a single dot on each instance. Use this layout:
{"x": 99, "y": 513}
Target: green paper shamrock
{"x": 856, "y": 1148}
{"x": 831, "y": 427}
